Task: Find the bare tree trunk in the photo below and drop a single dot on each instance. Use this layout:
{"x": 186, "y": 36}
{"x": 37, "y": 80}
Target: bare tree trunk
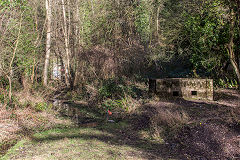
{"x": 33, "y": 71}
{"x": 63, "y": 75}
{"x": 11, "y": 63}
{"x": 157, "y": 21}
{"x": 77, "y": 46}
{"x": 233, "y": 61}
{"x": 92, "y": 7}
{"x": 230, "y": 49}
{"x": 66, "y": 38}
{"x": 48, "y": 42}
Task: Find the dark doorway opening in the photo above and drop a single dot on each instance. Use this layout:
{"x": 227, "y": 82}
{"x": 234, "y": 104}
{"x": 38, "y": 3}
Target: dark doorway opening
{"x": 175, "y": 93}
{"x": 194, "y": 93}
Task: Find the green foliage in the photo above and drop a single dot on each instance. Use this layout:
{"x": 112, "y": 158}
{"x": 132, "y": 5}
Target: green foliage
{"x": 117, "y": 95}
{"x": 86, "y": 23}
{"x": 226, "y": 83}
{"x": 123, "y": 105}
{"x": 4, "y": 81}
{"x": 117, "y": 88}
{"x": 113, "y": 88}
{"x": 112, "y": 104}
{"x": 2, "y": 97}
{"x": 206, "y": 34}
{"x": 142, "y": 21}
{"x": 7, "y": 4}
{"x": 41, "y": 106}
{"x": 26, "y": 51}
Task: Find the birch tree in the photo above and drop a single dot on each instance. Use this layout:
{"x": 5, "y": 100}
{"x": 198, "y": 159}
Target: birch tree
{"x": 66, "y": 32}
{"x": 48, "y": 41}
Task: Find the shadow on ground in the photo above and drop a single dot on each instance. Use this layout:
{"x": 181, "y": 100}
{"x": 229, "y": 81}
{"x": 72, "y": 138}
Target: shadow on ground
{"x": 123, "y": 132}
{"x": 212, "y": 129}
{"x": 149, "y": 150}
{"x": 190, "y": 129}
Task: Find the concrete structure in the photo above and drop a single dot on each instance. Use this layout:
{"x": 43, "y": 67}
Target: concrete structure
{"x": 183, "y": 87}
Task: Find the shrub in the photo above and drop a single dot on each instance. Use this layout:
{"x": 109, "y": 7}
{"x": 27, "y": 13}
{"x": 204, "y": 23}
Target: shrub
{"x": 226, "y": 83}
{"x": 2, "y": 97}
{"x": 122, "y": 107}
{"x": 41, "y": 106}
{"x": 112, "y": 88}
{"x": 111, "y": 104}
{"x": 118, "y": 89}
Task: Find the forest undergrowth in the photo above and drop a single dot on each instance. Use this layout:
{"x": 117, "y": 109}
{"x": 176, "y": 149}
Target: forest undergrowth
{"x": 182, "y": 129}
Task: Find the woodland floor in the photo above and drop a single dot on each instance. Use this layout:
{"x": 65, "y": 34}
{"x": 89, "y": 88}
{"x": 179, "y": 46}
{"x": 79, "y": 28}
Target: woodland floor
{"x": 212, "y": 131}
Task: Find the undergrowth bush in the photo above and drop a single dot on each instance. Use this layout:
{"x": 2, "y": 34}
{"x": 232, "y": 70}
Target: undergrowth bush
{"x": 112, "y": 104}
{"x": 226, "y": 83}
{"x": 4, "y": 100}
{"x": 118, "y": 88}
{"x": 119, "y": 93}
{"x": 4, "y": 81}
{"x": 77, "y": 96}
{"x": 126, "y": 104}
{"x": 41, "y": 106}
{"x": 113, "y": 88}
{"x": 2, "y": 97}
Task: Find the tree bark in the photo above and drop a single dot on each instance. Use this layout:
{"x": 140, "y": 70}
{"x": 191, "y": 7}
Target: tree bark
{"x": 77, "y": 45}
{"x": 10, "y": 76}
{"x": 48, "y": 41}
{"x": 230, "y": 48}
{"x": 157, "y": 21}
{"x": 67, "y": 48}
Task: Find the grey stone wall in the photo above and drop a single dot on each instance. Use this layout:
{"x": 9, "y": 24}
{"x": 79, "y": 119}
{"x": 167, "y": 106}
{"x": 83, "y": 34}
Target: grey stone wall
{"x": 185, "y": 87}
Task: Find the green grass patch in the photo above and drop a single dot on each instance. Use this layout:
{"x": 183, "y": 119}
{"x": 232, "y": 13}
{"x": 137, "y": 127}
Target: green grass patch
{"x": 13, "y": 150}
{"x": 73, "y": 143}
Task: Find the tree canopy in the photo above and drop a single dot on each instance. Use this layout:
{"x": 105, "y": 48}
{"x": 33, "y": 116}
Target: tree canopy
{"x": 88, "y": 41}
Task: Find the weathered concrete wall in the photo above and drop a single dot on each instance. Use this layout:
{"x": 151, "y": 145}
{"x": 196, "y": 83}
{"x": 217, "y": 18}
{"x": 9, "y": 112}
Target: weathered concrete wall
{"x": 186, "y": 88}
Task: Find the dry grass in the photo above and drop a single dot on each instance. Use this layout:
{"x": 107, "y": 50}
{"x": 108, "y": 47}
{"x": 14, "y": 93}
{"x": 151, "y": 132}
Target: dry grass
{"x": 23, "y": 120}
{"x": 161, "y": 116}
{"x": 16, "y": 123}
{"x": 27, "y": 97}
{"x": 191, "y": 129}
{"x": 169, "y": 117}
